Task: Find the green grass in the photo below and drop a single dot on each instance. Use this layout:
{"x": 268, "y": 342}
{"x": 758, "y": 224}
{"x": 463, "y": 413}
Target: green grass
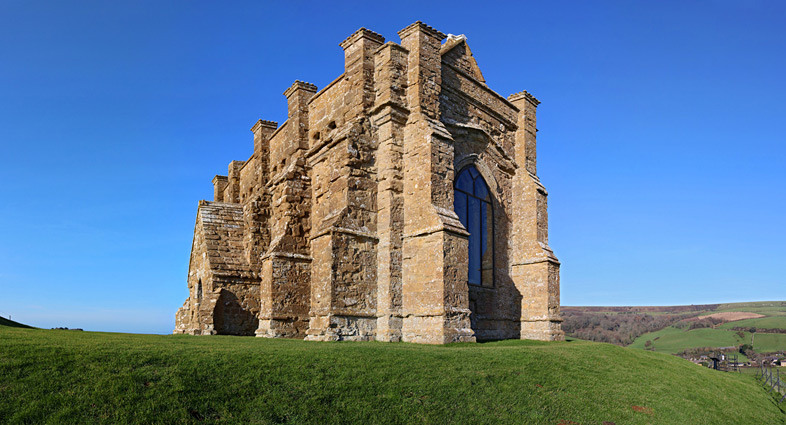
{"x": 767, "y": 308}
{"x": 664, "y": 334}
{"x": 673, "y": 340}
{"x": 62, "y": 377}
{"x": 772, "y": 322}
{"x": 778, "y": 305}
{"x": 767, "y": 343}
{"x": 755, "y": 371}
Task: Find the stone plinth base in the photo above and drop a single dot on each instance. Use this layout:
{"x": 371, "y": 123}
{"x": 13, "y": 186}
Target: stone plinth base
{"x": 389, "y": 328}
{"x": 436, "y": 330}
{"x": 279, "y": 328}
{"x": 542, "y": 330}
{"x": 341, "y": 328}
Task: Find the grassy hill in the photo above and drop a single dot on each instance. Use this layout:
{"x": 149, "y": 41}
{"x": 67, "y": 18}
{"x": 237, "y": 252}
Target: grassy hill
{"x": 765, "y": 343}
{"x": 673, "y": 329}
{"x": 86, "y": 377}
{"x": 772, "y": 322}
{"x": 11, "y": 323}
{"x": 767, "y": 308}
{"x": 674, "y": 340}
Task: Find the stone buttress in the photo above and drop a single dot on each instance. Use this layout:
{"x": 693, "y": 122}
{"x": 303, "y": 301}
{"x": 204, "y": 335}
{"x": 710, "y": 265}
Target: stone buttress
{"x": 286, "y": 265}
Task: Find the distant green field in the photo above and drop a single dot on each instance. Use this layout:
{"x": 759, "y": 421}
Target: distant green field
{"x": 767, "y": 311}
{"x": 755, "y": 371}
{"x": 772, "y": 322}
{"x": 61, "y": 377}
{"x": 765, "y": 343}
{"x": 767, "y": 308}
{"x": 781, "y": 305}
{"x": 673, "y": 340}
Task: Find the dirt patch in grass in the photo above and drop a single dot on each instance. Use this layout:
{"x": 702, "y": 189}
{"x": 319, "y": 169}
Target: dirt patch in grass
{"x": 730, "y": 316}
{"x": 642, "y": 409}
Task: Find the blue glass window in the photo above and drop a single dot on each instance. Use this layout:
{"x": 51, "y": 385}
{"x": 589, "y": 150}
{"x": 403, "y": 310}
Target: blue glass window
{"x": 472, "y": 203}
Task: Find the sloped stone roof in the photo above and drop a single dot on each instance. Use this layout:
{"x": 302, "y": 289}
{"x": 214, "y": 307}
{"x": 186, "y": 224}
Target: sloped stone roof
{"x": 222, "y": 224}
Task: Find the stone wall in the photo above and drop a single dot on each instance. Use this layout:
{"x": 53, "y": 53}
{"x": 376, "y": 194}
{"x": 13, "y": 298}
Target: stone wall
{"x": 223, "y": 287}
{"x": 340, "y": 225}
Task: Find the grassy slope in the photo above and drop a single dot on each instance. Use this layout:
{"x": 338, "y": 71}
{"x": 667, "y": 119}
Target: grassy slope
{"x": 772, "y": 322}
{"x": 767, "y": 343}
{"x": 673, "y": 340}
{"x": 85, "y": 377}
{"x": 768, "y": 307}
{"x": 11, "y": 323}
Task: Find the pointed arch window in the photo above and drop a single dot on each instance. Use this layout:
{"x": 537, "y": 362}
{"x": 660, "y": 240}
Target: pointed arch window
{"x": 472, "y": 203}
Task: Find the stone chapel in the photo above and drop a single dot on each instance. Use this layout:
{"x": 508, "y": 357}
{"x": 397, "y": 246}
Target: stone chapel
{"x": 398, "y": 203}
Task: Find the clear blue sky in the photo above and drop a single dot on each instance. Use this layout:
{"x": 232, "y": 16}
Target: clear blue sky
{"x": 661, "y": 139}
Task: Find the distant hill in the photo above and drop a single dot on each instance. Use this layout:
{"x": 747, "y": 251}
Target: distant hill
{"x": 752, "y": 330}
{"x": 11, "y": 323}
{"x": 644, "y": 309}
